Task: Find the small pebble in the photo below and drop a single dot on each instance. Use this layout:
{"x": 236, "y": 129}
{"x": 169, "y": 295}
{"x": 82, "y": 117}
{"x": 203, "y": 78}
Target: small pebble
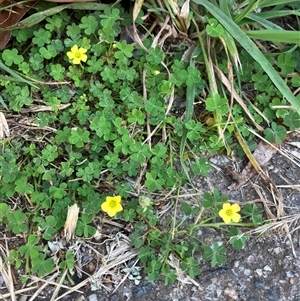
{"x": 113, "y": 297}
{"x": 259, "y": 272}
{"x": 93, "y": 297}
{"x": 258, "y": 283}
{"x": 247, "y": 272}
{"x": 231, "y": 293}
{"x": 272, "y": 294}
{"x": 267, "y": 268}
{"x": 142, "y": 290}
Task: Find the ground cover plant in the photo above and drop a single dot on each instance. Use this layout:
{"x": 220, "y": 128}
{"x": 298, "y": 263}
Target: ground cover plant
{"x": 97, "y": 125}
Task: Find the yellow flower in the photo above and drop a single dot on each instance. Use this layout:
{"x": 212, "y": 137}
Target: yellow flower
{"x": 112, "y": 205}
{"x": 229, "y": 212}
{"x": 77, "y": 55}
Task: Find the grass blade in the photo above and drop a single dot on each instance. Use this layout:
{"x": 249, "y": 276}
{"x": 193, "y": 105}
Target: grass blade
{"x": 266, "y": 3}
{"x": 282, "y": 36}
{"x": 16, "y": 75}
{"x": 253, "y": 50}
{"x": 40, "y": 16}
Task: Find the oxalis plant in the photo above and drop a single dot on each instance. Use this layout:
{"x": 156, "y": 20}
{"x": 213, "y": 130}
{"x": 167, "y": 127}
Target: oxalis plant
{"x": 95, "y": 123}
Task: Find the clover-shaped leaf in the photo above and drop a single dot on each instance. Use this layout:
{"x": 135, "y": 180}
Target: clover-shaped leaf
{"x": 12, "y": 57}
{"x": 42, "y": 37}
{"x": 217, "y": 104}
{"x": 292, "y": 120}
{"x": 286, "y": 63}
{"x": 276, "y": 133}
{"x": 89, "y": 24}
{"x": 238, "y": 241}
{"x": 214, "y": 29}
{"x": 155, "y": 56}
{"x": 124, "y": 50}
{"x": 193, "y": 76}
{"x": 23, "y": 187}
{"x": 79, "y": 137}
{"x": 214, "y": 254}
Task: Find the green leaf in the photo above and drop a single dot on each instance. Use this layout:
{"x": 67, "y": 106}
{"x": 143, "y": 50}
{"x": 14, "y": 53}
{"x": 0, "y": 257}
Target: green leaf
{"x": 286, "y": 63}
{"x": 214, "y": 254}
{"x": 48, "y": 52}
{"x": 30, "y": 250}
{"x": 276, "y": 133}
{"x": 17, "y": 222}
{"x": 217, "y": 104}
{"x": 292, "y": 120}
{"x": 238, "y": 241}
{"x": 69, "y": 261}
{"x": 58, "y": 192}
{"x": 42, "y": 37}
{"x": 16, "y": 75}
{"x": 155, "y": 56}
{"x": 12, "y": 57}
{"x": 170, "y": 277}
{"x": 275, "y": 35}
{"x": 200, "y": 166}
{"x": 42, "y": 15}
{"x": 23, "y": 187}
{"x": 124, "y": 50}
{"x": 193, "y": 76}
{"x": 79, "y": 137}
{"x": 186, "y": 208}
{"x": 153, "y": 276}
{"x": 57, "y": 71}
{"x": 153, "y": 182}
{"x": 41, "y": 265}
{"x": 136, "y": 116}
{"x": 214, "y": 29}
{"x": 136, "y": 239}
{"x": 190, "y": 266}
{"x": 89, "y": 24}
{"x": 253, "y": 212}
{"x": 55, "y": 22}
{"x": 208, "y": 200}
{"x": 4, "y": 211}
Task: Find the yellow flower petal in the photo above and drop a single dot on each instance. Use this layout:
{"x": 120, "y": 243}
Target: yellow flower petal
{"x": 113, "y": 198}
{"x": 70, "y": 55}
{"x": 82, "y": 50}
{"x": 226, "y": 219}
{"x": 235, "y": 207}
{"x": 236, "y": 217}
{"x": 76, "y": 61}
{"x": 226, "y": 206}
{"x": 224, "y": 216}
{"x": 118, "y": 208}
{"x": 74, "y": 49}
{"x": 84, "y": 57}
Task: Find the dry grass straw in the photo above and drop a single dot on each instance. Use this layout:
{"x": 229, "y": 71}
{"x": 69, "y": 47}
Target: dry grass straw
{"x": 181, "y": 276}
{"x": 235, "y": 95}
{"x": 120, "y": 252}
{"x": 5, "y": 270}
{"x": 4, "y": 128}
{"x": 285, "y": 223}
